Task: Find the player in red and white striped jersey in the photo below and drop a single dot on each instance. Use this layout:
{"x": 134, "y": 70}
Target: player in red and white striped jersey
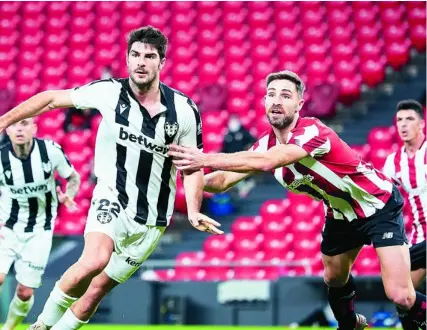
{"x": 408, "y": 168}
{"x": 363, "y": 206}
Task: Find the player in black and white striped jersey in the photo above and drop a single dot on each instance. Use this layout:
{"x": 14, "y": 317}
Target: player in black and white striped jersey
{"x": 28, "y": 207}
{"x": 134, "y": 197}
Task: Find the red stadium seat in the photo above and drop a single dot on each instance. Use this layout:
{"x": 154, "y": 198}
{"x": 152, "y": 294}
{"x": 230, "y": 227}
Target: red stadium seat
{"x": 418, "y": 39}
{"x": 373, "y": 72}
{"x": 245, "y": 228}
{"x": 218, "y": 246}
{"x": 8, "y": 25}
{"x": 273, "y": 210}
{"x": 397, "y": 54}
{"x": 188, "y": 266}
{"x": 380, "y": 137}
{"x": 217, "y": 269}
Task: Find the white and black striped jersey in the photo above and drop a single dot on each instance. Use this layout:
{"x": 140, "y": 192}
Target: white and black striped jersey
{"x": 131, "y": 146}
{"x": 28, "y": 200}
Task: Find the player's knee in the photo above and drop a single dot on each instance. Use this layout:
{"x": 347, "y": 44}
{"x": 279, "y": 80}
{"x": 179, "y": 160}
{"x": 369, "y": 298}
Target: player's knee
{"x": 401, "y": 297}
{"x": 24, "y": 293}
{"x": 94, "y": 264}
{"x": 334, "y": 279}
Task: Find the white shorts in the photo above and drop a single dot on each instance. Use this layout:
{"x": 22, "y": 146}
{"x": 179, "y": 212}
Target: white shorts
{"x": 133, "y": 242}
{"x": 29, "y": 251}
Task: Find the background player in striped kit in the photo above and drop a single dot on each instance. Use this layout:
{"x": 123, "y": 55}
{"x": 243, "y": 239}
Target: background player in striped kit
{"x": 28, "y": 206}
{"x": 133, "y": 201}
{"x": 361, "y": 205}
{"x": 408, "y": 168}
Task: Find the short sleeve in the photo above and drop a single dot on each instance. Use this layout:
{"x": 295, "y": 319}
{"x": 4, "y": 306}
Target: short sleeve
{"x": 389, "y": 169}
{"x": 192, "y": 133}
{"x": 312, "y": 139}
{"x": 93, "y": 95}
{"x": 59, "y": 160}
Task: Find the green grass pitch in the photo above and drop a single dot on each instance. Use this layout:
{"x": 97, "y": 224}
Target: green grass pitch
{"x": 191, "y": 327}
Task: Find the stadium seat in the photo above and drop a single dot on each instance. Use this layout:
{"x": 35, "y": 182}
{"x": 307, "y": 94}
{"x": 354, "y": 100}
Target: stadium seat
{"x": 273, "y": 210}
{"x": 216, "y": 269}
{"x": 218, "y": 246}
{"x": 245, "y": 228}
{"x": 188, "y": 266}
{"x": 380, "y": 137}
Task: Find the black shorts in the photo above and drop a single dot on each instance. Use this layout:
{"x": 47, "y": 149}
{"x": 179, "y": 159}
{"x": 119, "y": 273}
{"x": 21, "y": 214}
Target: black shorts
{"x": 385, "y": 228}
{"x": 418, "y": 255}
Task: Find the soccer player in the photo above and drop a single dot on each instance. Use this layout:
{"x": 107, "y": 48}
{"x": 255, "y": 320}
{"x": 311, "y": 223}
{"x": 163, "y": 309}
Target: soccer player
{"x": 408, "y": 168}
{"x": 28, "y": 205}
{"x": 362, "y": 205}
{"x": 133, "y": 201}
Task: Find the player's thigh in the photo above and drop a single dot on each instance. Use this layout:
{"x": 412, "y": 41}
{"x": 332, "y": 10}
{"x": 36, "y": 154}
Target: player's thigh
{"x": 10, "y": 247}
{"x": 340, "y": 246}
{"x": 134, "y": 251}
{"x": 33, "y": 259}
{"x": 103, "y": 223}
{"x": 395, "y": 272}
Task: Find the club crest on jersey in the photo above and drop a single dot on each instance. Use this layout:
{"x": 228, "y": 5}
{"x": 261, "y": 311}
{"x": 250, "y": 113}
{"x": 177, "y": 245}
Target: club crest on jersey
{"x": 47, "y": 167}
{"x": 171, "y": 129}
{"x": 104, "y": 217}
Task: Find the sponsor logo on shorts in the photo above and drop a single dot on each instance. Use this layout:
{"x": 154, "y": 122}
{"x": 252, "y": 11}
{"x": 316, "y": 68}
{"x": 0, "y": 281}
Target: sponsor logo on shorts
{"x": 35, "y": 267}
{"x": 104, "y": 217}
{"x": 387, "y": 235}
{"x": 133, "y": 263}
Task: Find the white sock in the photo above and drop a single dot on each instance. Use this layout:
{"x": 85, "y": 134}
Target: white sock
{"x": 69, "y": 322}
{"x": 56, "y": 305}
{"x": 18, "y": 310}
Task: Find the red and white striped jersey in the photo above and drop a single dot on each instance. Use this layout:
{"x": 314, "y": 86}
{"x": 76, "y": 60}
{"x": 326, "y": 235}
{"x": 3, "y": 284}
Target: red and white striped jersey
{"x": 411, "y": 174}
{"x": 333, "y": 172}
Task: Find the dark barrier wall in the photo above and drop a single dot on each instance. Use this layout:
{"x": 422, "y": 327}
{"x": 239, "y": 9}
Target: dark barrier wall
{"x": 138, "y": 302}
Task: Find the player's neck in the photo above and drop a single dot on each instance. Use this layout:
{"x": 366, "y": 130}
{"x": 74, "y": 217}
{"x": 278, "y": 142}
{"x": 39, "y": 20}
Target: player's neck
{"x": 412, "y": 146}
{"x": 282, "y": 134}
{"x": 22, "y": 150}
{"x": 146, "y": 95}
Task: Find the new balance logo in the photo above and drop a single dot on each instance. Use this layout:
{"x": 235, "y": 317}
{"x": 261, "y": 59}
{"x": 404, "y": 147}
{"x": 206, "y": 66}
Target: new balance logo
{"x": 142, "y": 141}
{"x": 387, "y": 235}
{"x": 133, "y": 263}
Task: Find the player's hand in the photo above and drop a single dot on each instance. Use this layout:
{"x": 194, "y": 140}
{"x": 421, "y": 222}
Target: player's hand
{"x": 186, "y": 158}
{"x": 203, "y": 223}
{"x": 65, "y": 199}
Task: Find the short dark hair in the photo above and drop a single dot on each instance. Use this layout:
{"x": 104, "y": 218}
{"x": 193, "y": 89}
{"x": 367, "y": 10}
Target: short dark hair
{"x": 149, "y": 35}
{"x": 288, "y": 75}
{"x": 411, "y": 105}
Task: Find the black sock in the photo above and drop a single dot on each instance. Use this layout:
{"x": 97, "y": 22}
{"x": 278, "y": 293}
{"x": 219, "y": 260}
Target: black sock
{"x": 407, "y": 323}
{"x": 341, "y": 301}
{"x": 418, "y": 312}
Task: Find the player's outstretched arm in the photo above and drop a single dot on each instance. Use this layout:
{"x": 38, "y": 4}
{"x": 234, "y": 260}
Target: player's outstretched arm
{"x": 244, "y": 161}
{"x": 36, "y": 105}
{"x": 193, "y": 187}
{"x": 220, "y": 181}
